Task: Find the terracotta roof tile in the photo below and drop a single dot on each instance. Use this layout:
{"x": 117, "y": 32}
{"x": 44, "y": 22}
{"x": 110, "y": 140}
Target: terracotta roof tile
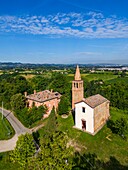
{"x": 43, "y": 96}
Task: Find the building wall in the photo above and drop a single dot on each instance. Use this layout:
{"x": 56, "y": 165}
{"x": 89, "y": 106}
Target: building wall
{"x": 49, "y": 104}
{"x": 101, "y": 115}
{"x": 87, "y": 116}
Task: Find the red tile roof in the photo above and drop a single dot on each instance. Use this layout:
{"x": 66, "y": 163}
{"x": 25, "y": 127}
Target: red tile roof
{"x": 43, "y": 96}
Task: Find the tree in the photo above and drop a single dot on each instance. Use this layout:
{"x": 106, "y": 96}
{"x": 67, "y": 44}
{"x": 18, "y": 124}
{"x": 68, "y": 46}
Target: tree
{"x": 51, "y": 125}
{"x": 28, "y": 116}
{"x": 123, "y": 74}
{"x": 24, "y": 150}
{"x": 54, "y": 154}
{"x": 63, "y": 106}
{"x": 60, "y": 83}
{"x": 39, "y": 82}
{"x": 18, "y": 101}
{"x": 119, "y": 127}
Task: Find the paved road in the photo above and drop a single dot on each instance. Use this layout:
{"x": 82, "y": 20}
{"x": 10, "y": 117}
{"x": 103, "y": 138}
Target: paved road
{"x": 7, "y": 145}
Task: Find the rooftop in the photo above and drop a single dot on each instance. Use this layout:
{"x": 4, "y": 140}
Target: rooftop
{"x": 43, "y": 96}
{"x": 95, "y": 100}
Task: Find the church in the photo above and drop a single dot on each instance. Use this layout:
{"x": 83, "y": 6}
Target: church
{"x": 91, "y": 113}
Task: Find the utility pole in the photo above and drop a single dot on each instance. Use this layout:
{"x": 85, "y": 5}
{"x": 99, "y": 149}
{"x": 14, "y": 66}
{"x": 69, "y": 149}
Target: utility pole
{"x": 2, "y": 110}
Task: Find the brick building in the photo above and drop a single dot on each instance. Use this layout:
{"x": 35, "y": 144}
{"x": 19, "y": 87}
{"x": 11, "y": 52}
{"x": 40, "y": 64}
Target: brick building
{"x": 46, "y": 97}
{"x": 90, "y": 113}
{"x": 77, "y": 88}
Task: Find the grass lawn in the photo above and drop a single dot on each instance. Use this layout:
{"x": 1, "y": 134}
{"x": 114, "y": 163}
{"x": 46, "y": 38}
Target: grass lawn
{"x": 6, "y": 130}
{"x": 104, "y": 144}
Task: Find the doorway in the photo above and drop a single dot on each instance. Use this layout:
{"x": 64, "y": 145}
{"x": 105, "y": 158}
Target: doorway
{"x": 83, "y": 124}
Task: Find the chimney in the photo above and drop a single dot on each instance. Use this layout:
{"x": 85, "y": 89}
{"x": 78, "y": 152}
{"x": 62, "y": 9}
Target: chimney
{"x": 34, "y": 91}
{"x": 25, "y": 94}
{"x": 51, "y": 90}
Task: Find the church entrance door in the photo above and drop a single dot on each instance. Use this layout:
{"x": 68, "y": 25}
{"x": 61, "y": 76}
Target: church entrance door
{"x": 83, "y": 124}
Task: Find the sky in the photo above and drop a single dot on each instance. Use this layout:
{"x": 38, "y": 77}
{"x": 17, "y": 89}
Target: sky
{"x": 64, "y": 31}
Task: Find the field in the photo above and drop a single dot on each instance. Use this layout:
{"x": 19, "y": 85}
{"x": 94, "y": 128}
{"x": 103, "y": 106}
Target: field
{"x": 6, "y": 130}
{"x": 94, "y": 76}
{"x": 119, "y": 80}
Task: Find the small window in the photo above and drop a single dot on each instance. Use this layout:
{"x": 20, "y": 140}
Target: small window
{"x": 77, "y": 85}
{"x": 83, "y": 109}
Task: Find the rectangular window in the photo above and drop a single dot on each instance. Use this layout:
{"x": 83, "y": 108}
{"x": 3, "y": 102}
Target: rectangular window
{"x": 83, "y": 109}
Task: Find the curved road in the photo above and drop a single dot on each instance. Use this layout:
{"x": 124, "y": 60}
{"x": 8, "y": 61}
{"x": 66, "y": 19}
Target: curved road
{"x": 7, "y": 145}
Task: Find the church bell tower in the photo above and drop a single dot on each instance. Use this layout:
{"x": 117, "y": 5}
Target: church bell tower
{"x": 77, "y": 88}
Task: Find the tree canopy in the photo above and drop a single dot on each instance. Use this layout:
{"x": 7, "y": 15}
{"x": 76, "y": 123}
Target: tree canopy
{"x": 18, "y": 101}
{"x": 24, "y": 150}
{"x": 54, "y": 154}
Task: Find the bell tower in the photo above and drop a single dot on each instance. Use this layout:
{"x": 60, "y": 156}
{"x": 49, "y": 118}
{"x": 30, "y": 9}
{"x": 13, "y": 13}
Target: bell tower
{"x": 77, "y": 88}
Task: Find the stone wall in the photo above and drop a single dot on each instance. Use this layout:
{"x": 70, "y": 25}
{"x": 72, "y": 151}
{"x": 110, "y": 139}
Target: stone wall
{"x": 101, "y": 115}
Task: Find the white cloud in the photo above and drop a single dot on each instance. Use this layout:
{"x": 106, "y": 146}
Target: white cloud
{"x": 87, "y": 53}
{"x": 88, "y": 25}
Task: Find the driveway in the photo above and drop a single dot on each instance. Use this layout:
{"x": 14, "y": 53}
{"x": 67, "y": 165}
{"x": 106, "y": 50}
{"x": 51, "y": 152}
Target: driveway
{"x": 7, "y": 145}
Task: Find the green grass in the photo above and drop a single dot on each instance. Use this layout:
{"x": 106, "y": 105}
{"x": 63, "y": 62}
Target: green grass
{"x": 93, "y": 76}
{"x": 119, "y": 80}
{"x": 103, "y": 77}
{"x": 99, "y": 144}
{"x": 6, "y": 130}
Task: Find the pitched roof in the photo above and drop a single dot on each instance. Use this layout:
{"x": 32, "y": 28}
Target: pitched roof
{"x": 94, "y": 101}
{"x": 43, "y": 96}
{"x": 77, "y": 74}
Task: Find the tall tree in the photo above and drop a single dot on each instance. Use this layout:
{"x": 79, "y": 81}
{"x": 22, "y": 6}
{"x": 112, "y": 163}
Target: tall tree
{"x": 17, "y": 101}
{"x": 51, "y": 125}
{"x": 63, "y": 106}
{"x": 54, "y": 154}
{"x": 24, "y": 150}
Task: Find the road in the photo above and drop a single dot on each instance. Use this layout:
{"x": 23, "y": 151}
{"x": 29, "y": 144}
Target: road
{"x": 7, "y": 145}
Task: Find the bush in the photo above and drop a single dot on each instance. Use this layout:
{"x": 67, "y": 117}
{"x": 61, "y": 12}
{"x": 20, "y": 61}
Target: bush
{"x": 119, "y": 127}
{"x": 29, "y": 116}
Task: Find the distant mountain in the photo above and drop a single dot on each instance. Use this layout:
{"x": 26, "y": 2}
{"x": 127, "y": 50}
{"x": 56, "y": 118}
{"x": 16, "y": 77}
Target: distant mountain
{"x": 11, "y": 65}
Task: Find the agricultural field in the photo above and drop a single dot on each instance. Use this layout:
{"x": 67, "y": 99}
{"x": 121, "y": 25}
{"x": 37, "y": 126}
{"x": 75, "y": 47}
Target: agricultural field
{"x": 6, "y": 130}
{"x": 119, "y": 80}
{"x": 93, "y": 76}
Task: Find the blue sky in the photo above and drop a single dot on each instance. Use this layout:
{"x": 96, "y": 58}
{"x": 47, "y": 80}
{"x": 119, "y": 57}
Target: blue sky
{"x": 64, "y": 31}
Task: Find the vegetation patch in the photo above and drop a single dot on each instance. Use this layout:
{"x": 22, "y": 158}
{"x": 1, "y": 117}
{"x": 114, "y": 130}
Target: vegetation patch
{"x": 98, "y": 76}
{"x": 104, "y": 144}
{"x": 6, "y": 130}
{"x": 5, "y": 163}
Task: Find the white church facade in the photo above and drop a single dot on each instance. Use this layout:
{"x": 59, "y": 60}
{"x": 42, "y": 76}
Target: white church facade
{"x": 90, "y": 113}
